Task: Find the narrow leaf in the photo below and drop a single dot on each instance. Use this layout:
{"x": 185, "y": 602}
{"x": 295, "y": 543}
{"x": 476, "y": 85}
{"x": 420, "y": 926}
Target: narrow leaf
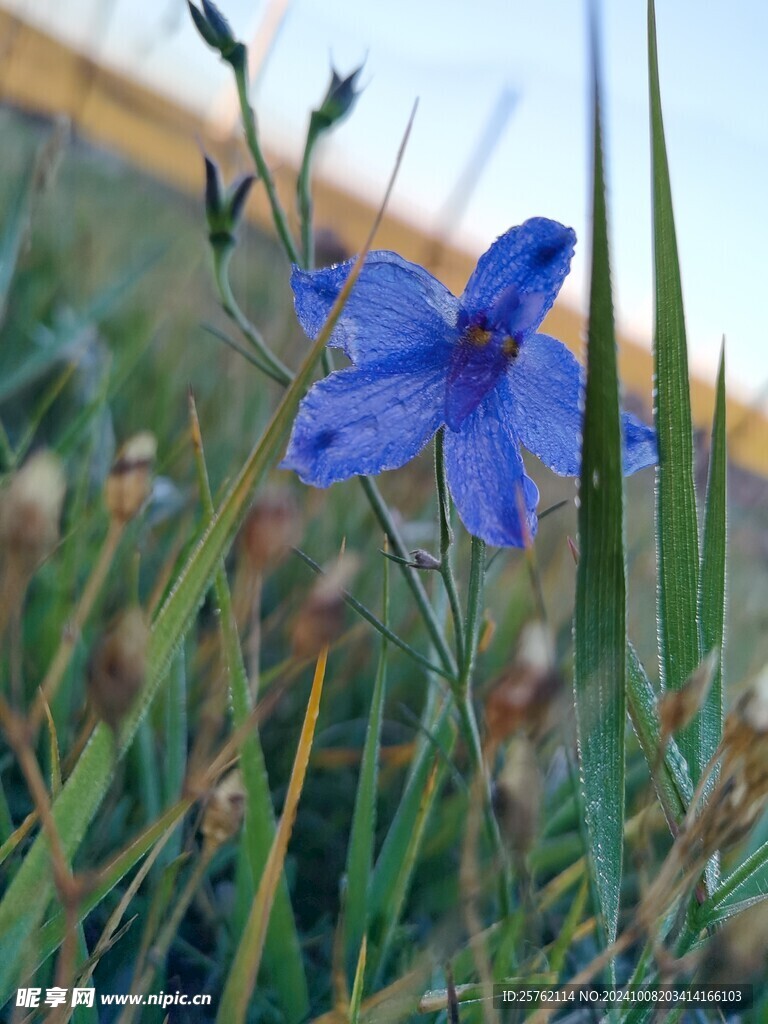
{"x": 360, "y": 852}
{"x": 242, "y": 976}
{"x": 676, "y": 523}
{"x": 713, "y": 561}
{"x": 282, "y": 955}
{"x": 600, "y": 620}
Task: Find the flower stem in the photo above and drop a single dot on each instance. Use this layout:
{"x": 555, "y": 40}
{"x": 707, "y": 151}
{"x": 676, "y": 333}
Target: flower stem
{"x": 269, "y": 361}
{"x": 468, "y": 718}
{"x": 446, "y": 544}
{"x": 254, "y": 145}
{"x": 304, "y": 196}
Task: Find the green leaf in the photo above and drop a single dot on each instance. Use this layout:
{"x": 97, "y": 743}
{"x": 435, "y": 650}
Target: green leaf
{"x": 743, "y": 888}
{"x": 713, "y": 562}
{"x": 676, "y": 523}
{"x": 672, "y": 777}
{"x": 363, "y": 832}
{"x": 600, "y": 619}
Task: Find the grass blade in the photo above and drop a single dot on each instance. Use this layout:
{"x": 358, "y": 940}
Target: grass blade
{"x": 676, "y": 523}
{"x": 671, "y": 778}
{"x": 242, "y": 976}
{"x": 600, "y": 619}
{"x": 713, "y": 562}
{"x": 360, "y": 852}
{"x": 746, "y": 885}
{"x": 282, "y": 955}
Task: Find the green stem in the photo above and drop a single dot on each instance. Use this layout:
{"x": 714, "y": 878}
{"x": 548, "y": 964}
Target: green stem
{"x": 277, "y": 370}
{"x": 240, "y": 68}
{"x": 469, "y": 720}
{"x": 446, "y": 543}
{"x": 387, "y": 523}
{"x": 304, "y": 196}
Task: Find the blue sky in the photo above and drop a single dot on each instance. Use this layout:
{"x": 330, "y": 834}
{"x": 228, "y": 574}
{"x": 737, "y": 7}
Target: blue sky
{"x": 460, "y": 58}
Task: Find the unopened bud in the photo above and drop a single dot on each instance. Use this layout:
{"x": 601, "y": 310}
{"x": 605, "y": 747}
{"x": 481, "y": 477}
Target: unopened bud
{"x": 129, "y": 483}
{"x": 338, "y": 101}
{"x": 321, "y": 619}
{"x": 522, "y": 697}
{"x": 224, "y": 811}
{"x": 271, "y": 529}
{"x": 224, "y": 207}
{"x": 30, "y": 510}
{"x": 421, "y": 559}
{"x": 118, "y": 667}
{"x": 216, "y": 31}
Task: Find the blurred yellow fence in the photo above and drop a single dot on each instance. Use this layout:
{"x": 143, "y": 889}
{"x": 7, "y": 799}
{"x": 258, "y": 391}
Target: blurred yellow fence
{"x": 40, "y": 74}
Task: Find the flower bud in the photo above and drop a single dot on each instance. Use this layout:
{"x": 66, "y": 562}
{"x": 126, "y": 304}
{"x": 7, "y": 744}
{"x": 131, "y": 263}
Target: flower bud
{"x": 224, "y": 207}
{"x": 30, "y": 510}
{"x": 337, "y": 103}
{"x": 216, "y": 31}
{"x": 224, "y": 811}
{"x": 321, "y": 619}
{"x": 118, "y": 667}
{"x": 129, "y": 483}
{"x": 522, "y": 697}
{"x": 271, "y": 529}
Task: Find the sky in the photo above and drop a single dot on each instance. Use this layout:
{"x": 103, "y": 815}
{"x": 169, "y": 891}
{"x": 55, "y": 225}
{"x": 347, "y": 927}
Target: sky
{"x": 525, "y": 64}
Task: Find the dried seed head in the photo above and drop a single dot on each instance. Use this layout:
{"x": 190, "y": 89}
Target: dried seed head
{"x": 523, "y": 696}
{"x": 321, "y": 619}
{"x": 517, "y": 795}
{"x": 678, "y": 707}
{"x": 739, "y": 949}
{"x": 271, "y": 529}
{"x": 224, "y": 810}
{"x": 118, "y": 667}
{"x": 30, "y": 510}
{"x": 129, "y": 483}
{"x": 741, "y": 793}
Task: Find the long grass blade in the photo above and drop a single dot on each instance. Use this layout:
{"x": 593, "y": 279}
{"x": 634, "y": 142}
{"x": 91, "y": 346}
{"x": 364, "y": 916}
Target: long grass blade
{"x": 282, "y": 955}
{"x": 713, "y": 569}
{"x": 676, "y": 523}
{"x": 360, "y": 852}
{"x": 600, "y": 619}
{"x": 242, "y": 976}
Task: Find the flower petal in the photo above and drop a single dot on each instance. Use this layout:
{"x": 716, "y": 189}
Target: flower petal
{"x": 545, "y": 391}
{"x": 495, "y": 499}
{"x": 395, "y": 306}
{"x": 363, "y": 420}
{"x": 532, "y": 259}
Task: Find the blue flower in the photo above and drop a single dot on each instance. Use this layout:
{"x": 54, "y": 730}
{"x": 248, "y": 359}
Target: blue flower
{"x": 476, "y": 365}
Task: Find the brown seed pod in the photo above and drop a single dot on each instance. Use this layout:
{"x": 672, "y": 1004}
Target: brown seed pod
{"x": 517, "y": 795}
{"x": 129, "y": 483}
{"x": 522, "y": 697}
{"x": 271, "y": 528}
{"x": 30, "y": 511}
{"x": 320, "y": 620}
{"x": 118, "y": 667}
{"x": 224, "y": 811}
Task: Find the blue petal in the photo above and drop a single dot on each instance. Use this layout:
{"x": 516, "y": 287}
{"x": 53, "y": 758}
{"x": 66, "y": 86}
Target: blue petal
{"x": 544, "y": 389}
{"x": 473, "y": 371}
{"x": 495, "y": 499}
{"x": 533, "y": 259}
{"x": 395, "y": 306}
{"x": 364, "y": 420}
{"x": 640, "y": 448}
